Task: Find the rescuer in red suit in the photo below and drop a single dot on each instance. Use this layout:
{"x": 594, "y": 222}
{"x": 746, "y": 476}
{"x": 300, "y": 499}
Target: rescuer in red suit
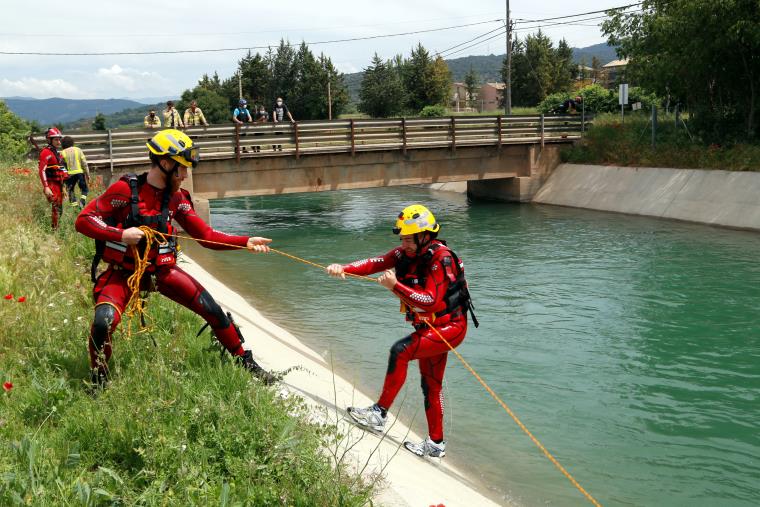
{"x": 154, "y": 199}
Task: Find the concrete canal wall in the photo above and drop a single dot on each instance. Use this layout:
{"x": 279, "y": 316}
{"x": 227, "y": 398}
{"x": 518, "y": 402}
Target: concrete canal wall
{"x": 724, "y": 198}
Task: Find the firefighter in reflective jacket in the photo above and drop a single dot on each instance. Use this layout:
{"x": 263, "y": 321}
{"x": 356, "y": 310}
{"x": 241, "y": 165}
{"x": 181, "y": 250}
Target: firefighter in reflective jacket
{"x": 52, "y": 171}
{"x": 155, "y": 199}
{"x": 429, "y": 280}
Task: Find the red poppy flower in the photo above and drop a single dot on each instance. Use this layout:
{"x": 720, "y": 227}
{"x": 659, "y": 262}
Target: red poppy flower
{"x": 21, "y": 299}
{"x": 7, "y": 386}
{"x": 9, "y": 296}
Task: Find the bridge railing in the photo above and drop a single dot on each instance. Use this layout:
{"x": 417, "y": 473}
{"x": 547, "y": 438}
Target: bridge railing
{"x": 127, "y": 146}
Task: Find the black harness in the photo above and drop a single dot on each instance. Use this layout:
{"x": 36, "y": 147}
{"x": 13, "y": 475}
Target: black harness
{"x": 136, "y": 219}
{"x": 457, "y": 295}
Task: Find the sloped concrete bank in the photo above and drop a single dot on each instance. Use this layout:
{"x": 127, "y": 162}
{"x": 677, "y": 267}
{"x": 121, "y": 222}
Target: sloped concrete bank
{"x": 723, "y": 198}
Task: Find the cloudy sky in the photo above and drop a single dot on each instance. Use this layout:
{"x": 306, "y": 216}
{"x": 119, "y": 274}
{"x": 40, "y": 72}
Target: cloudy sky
{"x": 79, "y": 26}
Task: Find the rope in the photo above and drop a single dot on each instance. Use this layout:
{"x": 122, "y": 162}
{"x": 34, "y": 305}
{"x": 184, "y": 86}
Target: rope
{"x": 150, "y": 236}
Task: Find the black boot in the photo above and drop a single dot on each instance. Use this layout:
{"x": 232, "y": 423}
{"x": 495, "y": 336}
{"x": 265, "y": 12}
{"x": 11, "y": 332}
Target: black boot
{"x": 249, "y": 363}
{"x": 98, "y": 379}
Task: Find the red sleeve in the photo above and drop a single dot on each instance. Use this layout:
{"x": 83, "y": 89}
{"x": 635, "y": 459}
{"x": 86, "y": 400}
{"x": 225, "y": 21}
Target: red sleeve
{"x": 198, "y": 229}
{"x": 372, "y": 265}
{"x": 430, "y": 297}
{"x": 45, "y": 156}
{"x": 91, "y": 221}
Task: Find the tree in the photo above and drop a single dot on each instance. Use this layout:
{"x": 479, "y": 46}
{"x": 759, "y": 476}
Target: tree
{"x": 13, "y": 132}
{"x": 382, "y": 92}
{"x": 100, "y": 122}
{"x": 426, "y": 81}
{"x": 596, "y": 69}
{"x": 538, "y": 69}
{"x": 440, "y": 83}
{"x": 703, "y": 53}
{"x": 471, "y": 83}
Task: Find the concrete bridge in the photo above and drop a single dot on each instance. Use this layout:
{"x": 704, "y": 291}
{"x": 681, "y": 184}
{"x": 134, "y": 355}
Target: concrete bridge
{"x": 501, "y": 157}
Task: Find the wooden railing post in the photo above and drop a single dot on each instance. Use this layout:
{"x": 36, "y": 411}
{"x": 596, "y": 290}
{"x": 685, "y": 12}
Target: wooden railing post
{"x": 542, "y": 130}
{"x": 298, "y": 150}
{"x": 353, "y": 138}
{"x": 110, "y": 150}
{"x": 498, "y": 127}
{"x": 453, "y": 129}
{"x": 237, "y": 142}
{"x": 403, "y": 135}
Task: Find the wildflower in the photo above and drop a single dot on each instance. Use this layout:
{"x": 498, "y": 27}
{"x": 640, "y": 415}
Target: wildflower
{"x": 9, "y": 296}
{"x": 7, "y": 386}
{"x": 65, "y": 321}
{"x": 22, "y": 299}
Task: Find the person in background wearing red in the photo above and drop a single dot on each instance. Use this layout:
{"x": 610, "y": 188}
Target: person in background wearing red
{"x": 52, "y": 171}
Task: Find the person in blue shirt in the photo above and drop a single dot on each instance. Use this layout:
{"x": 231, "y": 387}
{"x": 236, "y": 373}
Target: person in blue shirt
{"x": 241, "y": 113}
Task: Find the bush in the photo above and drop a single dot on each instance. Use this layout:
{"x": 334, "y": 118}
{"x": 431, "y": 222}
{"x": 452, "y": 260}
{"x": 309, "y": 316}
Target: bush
{"x": 13, "y": 132}
{"x": 436, "y": 111}
{"x": 599, "y": 99}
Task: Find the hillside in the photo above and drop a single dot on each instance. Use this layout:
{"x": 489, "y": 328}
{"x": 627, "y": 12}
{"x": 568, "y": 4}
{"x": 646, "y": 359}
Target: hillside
{"x": 57, "y": 110}
{"x": 132, "y": 117}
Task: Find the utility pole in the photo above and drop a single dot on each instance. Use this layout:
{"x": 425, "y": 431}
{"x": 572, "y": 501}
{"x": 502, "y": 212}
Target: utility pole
{"x": 240, "y": 85}
{"x": 508, "y": 84}
{"x": 329, "y": 101}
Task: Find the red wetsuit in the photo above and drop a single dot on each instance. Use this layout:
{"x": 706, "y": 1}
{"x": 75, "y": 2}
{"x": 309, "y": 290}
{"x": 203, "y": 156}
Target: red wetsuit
{"x": 104, "y": 219}
{"x": 422, "y": 284}
{"x": 52, "y": 171}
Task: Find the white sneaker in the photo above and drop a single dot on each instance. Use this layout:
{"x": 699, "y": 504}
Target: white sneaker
{"x": 370, "y": 417}
{"x": 427, "y": 448}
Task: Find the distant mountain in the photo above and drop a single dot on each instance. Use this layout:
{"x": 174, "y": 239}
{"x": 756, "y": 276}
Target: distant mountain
{"x": 131, "y": 117}
{"x": 56, "y": 110}
{"x": 488, "y": 67}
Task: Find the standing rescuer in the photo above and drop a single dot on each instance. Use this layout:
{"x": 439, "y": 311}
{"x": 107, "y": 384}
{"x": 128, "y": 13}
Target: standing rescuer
{"x": 155, "y": 199}
{"x": 429, "y": 280}
{"x": 79, "y": 172}
{"x": 52, "y": 171}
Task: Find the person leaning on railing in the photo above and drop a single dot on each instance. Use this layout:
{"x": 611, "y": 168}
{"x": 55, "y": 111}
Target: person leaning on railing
{"x": 194, "y": 116}
{"x": 151, "y": 121}
{"x": 171, "y": 117}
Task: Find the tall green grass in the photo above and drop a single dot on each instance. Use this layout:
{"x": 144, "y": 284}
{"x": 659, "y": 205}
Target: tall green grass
{"x": 628, "y": 143}
{"x": 179, "y": 424}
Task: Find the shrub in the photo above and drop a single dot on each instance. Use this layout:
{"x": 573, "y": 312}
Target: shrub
{"x": 436, "y": 111}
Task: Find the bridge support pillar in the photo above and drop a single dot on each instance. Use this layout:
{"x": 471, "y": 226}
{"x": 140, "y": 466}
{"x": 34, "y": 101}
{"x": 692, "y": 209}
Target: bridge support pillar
{"x": 543, "y": 161}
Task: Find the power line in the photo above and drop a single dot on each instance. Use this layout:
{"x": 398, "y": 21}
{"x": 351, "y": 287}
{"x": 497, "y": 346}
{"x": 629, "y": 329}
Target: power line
{"x": 622, "y": 7}
{"x": 468, "y": 41}
{"x": 218, "y": 50}
{"x": 504, "y": 31}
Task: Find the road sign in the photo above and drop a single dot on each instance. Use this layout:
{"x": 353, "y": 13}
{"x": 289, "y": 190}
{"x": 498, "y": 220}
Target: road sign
{"x": 636, "y": 106}
{"x": 623, "y": 94}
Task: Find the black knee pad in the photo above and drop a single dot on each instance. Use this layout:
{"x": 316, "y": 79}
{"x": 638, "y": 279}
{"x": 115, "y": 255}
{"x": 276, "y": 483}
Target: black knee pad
{"x": 215, "y": 311}
{"x": 101, "y": 326}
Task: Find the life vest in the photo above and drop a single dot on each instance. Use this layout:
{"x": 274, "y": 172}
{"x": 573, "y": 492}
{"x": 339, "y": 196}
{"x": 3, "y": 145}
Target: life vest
{"x": 120, "y": 254}
{"x": 57, "y": 171}
{"x": 457, "y": 297}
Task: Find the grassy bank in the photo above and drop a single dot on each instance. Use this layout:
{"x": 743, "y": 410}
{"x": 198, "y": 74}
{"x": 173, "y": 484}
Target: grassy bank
{"x": 178, "y": 425}
{"x": 629, "y": 144}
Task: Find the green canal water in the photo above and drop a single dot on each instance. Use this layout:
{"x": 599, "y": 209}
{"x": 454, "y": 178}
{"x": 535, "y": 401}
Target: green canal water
{"x": 629, "y": 346}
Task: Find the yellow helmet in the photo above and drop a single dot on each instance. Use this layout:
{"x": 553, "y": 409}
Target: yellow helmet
{"x": 176, "y": 144}
{"x": 415, "y": 218}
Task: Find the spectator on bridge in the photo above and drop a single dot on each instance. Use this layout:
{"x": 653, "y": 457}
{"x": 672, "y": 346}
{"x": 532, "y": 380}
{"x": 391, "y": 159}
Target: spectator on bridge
{"x": 172, "y": 119}
{"x": 261, "y": 116}
{"x": 194, "y": 116}
{"x": 79, "y": 173}
{"x": 152, "y": 121}
{"x": 241, "y": 114}
{"x": 279, "y": 111}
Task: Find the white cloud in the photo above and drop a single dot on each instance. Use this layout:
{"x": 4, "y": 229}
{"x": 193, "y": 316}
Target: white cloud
{"x": 130, "y": 81}
{"x": 38, "y": 88}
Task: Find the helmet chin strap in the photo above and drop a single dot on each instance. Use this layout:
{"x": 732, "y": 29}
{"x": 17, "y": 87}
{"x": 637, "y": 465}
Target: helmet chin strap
{"x": 417, "y": 242}
{"x": 171, "y": 172}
